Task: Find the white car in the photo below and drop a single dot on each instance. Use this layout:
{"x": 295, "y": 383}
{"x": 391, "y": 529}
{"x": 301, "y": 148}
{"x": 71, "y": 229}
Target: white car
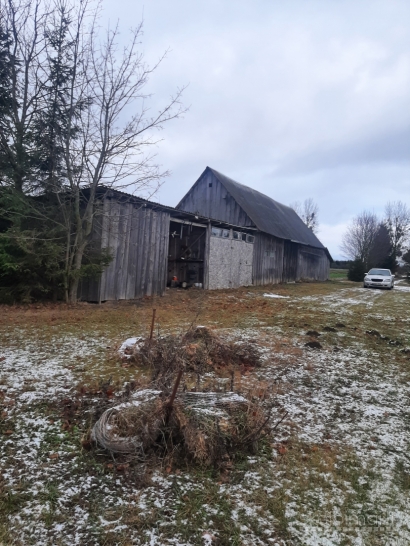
{"x": 381, "y": 278}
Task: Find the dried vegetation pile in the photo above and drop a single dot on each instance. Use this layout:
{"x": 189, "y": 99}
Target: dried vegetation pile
{"x": 199, "y": 350}
{"x": 216, "y": 427}
{"x": 207, "y": 428}
{"x": 210, "y": 428}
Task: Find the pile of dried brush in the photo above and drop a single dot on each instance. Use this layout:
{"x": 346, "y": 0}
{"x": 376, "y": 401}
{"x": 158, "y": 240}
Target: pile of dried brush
{"x": 209, "y": 428}
{"x": 215, "y": 427}
{"x": 199, "y": 350}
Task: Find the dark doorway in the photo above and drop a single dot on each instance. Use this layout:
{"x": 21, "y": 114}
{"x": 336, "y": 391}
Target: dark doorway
{"x": 186, "y": 254}
{"x": 290, "y": 261}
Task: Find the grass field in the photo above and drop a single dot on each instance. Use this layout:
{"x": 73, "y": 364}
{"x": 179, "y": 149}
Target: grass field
{"x": 335, "y": 472}
{"x": 338, "y": 274}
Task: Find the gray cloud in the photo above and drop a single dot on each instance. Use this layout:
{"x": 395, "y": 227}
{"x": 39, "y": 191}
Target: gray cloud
{"x": 295, "y": 98}
{"x": 389, "y": 147}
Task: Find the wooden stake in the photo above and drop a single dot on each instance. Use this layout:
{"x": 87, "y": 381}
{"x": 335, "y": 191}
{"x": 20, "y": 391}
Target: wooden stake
{"x": 174, "y": 390}
{"x": 152, "y": 323}
{"x": 173, "y": 395}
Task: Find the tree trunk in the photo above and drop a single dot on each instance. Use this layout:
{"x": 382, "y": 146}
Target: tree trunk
{"x": 75, "y": 278}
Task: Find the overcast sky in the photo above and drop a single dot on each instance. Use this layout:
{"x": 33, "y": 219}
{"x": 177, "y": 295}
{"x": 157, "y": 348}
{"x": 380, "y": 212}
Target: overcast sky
{"x": 294, "y": 98}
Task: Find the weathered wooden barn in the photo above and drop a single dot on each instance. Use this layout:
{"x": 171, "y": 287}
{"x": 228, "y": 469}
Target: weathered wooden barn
{"x": 284, "y": 250}
{"x": 221, "y": 235}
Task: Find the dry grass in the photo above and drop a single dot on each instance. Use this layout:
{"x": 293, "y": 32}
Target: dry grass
{"x": 214, "y": 435}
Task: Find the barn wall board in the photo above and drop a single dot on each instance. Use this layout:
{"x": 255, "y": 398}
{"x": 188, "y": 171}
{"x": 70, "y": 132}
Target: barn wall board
{"x": 313, "y": 264}
{"x": 137, "y": 238}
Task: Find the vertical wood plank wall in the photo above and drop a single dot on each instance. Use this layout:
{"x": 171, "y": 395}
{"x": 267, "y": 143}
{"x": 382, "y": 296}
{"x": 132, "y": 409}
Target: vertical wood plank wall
{"x": 206, "y": 255}
{"x": 137, "y": 237}
{"x": 313, "y": 264}
{"x": 276, "y": 260}
{"x": 267, "y": 259}
{"x": 210, "y": 199}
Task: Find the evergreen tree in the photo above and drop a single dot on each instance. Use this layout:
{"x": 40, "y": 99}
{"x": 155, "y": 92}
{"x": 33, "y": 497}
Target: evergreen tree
{"x": 380, "y": 254}
{"x": 22, "y": 46}
{"x": 7, "y": 102}
{"x": 56, "y": 115}
{"x": 356, "y": 271}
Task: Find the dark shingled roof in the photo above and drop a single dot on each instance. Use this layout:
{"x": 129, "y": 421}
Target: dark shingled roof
{"x": 268, "y": 215}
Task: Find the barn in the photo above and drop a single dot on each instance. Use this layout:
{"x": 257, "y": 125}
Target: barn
{"x": 284, "y": 249}
{"x": 221, "y": 235}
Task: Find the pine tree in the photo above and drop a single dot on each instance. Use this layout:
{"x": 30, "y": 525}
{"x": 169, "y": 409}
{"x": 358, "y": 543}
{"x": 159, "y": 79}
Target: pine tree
{"x": 7, "y": 102}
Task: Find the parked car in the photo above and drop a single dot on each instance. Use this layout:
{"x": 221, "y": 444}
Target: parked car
{"x": 381, "y": 278}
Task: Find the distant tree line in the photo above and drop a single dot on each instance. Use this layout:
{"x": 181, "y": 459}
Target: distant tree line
{"x": 340, "y": 264}
{"x": 74, "y": 118}
{"x": 370, "y": 241}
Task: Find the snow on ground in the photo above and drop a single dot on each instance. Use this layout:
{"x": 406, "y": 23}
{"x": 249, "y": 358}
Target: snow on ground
{"x": 401, "y": 286}
{"x": 347, "y": 297}
{"x": 351, "y": 406}
{"x": 34, "y": 370}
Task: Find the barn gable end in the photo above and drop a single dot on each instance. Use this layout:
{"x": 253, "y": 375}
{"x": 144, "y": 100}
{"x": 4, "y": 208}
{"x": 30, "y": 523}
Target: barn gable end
{"x": 209, "y": 197}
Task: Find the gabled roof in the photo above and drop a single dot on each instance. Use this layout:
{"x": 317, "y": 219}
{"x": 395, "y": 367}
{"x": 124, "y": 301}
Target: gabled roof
{"x": 268, "y": 215}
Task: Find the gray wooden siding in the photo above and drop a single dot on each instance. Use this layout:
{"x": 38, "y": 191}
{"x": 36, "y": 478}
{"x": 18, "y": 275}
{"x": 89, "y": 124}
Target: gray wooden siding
{"x": 313, "y": 264}
{"x": 267, "y": 259}
{"x": 209, "y": 198}
{"x": 230, "y": 263}
{"x": 206, "y": 256}
{"x": 137, "y": 237}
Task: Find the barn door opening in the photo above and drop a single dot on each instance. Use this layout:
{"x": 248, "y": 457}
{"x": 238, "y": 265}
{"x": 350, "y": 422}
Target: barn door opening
{"x": 186, "y": 255}
{"x": 290, "y": 261}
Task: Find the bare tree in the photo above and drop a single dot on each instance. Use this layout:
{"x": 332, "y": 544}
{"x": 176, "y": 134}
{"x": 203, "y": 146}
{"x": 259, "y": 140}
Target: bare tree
{"x": 308, "y": 212}
{"x": 111, "y": 145}
{"x": 74, "y": 120}
{"x": 358, "y": 240}
{"x": 398, "y": 224}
